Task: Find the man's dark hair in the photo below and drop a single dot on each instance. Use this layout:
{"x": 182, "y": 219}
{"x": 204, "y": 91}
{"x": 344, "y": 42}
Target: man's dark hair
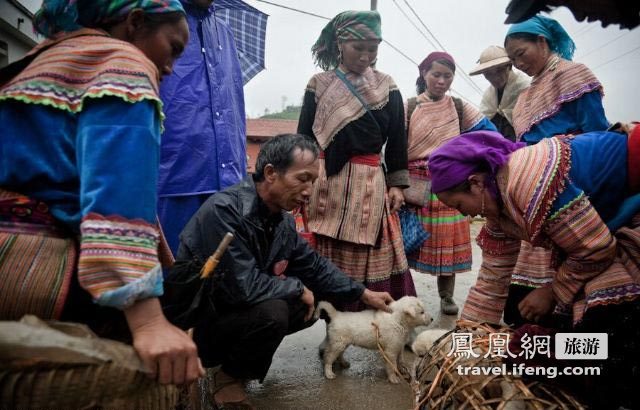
{"x": 278, "y": 152}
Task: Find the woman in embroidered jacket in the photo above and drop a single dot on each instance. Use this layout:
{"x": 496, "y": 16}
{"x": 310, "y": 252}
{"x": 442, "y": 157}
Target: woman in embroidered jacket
{"x": 580, "y": 197}
{"x": 564, "y": 98}
{"x": 436, "y": 118}
{"x": 81, "y": 121}
{"x": 353, "y": 208}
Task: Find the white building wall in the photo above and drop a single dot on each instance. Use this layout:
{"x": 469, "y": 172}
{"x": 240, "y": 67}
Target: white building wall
{"x": 16, "y": 30}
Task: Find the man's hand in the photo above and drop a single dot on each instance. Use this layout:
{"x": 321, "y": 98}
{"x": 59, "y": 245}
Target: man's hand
{"x": 377, "y": 300}
{"x": 396, "y": 198}
{"x": 537, "y": 304}
{"x": 308, "y": 299}
{"x": 168, "y": 352}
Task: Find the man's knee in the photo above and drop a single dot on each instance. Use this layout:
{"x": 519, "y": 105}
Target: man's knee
{"x": 272, "y": 316}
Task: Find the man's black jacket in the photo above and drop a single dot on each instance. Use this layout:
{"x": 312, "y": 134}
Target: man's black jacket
{"x": 267, "y": 259}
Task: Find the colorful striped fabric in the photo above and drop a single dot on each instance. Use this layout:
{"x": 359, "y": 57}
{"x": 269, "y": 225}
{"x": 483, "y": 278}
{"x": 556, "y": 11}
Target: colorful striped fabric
{"x": 36, "y": 260}
{"x": 562, "y": 82}
{"x": 84, "y": 64}
{"x": 486, "y": 299}
{"x": 448, "y": 250}
{"x": 435, "y": 122}
{"x": 36, "y": 271}
{"x": 336, "y": 104}
{"x": 592, "y": 269}
{"x": 590, "y": 275}
{"x": 536, "y": 176}
{"x": 118, "y": 261}
{"x": 533, "y": 268}
{"x": 350, "y": 205}
{"x": 382, "y": 267}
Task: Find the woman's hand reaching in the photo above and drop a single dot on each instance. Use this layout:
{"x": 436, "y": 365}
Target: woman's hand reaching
{"x": 537, "y": 304}
{"x": 396, "y": 198}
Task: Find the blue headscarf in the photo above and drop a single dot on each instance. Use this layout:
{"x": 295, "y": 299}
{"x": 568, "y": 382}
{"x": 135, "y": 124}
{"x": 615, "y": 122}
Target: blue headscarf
{"x": 558, "y": 39}
{"x": 57, "y": 16}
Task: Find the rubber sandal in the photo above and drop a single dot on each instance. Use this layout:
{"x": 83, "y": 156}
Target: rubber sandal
{"x": 220, "y": 380}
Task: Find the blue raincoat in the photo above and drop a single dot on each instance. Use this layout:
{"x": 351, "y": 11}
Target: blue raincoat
{"x": 204, "y": 144}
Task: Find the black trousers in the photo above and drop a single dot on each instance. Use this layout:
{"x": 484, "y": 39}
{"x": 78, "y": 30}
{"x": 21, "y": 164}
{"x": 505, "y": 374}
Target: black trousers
{"x": 244, "y": 340}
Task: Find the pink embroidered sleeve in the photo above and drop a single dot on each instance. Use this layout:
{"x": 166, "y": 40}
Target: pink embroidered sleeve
{"x": 118, "y": 262}
{"x": 487, "y": 298}
{"x": 590, "y": 248}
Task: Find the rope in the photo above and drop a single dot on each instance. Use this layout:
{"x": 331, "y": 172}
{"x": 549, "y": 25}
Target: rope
{"x": 384, "y": 355}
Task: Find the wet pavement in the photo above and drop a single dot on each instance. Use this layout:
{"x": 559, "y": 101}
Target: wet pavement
{"x": 296, "y": 380}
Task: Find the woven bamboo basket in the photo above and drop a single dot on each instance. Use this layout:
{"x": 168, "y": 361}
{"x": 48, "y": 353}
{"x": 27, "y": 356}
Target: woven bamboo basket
{"x": 59, "y": 365}
{"x": 439, "y": 386}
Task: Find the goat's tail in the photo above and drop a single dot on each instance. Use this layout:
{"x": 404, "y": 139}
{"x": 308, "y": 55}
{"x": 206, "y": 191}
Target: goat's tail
{"x": 327, "y": 307}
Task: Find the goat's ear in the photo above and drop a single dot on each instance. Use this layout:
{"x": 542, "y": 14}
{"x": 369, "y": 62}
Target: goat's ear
{"x": 410, "y": 310}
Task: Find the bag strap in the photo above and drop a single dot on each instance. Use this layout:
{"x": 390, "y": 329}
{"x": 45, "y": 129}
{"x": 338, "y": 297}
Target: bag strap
{"x": 457, "y": 102}
{"x": 355, "y": 92}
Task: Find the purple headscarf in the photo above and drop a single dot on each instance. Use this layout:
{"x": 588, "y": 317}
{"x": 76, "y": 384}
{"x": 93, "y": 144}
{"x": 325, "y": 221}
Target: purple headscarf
{"x": 436, "y": 55}
{"x": 452, "y": 163}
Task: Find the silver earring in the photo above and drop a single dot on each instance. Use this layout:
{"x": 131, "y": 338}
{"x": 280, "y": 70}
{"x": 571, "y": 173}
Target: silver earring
{"x": 339, "y": 55}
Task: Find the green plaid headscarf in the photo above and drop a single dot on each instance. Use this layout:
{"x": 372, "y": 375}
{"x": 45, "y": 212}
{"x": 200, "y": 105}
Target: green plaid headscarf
{"x": 348, "y": 25}
{"x": 57, "y": 16}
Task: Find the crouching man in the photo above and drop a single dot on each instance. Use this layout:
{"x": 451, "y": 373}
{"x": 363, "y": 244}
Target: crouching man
{"x": 269, "y": 278}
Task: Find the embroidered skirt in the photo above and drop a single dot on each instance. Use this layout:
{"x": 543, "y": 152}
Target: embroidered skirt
{"x": 381, "y": 267}
{"x": 448, "y": 249}
{"x": 349, "y": 212}
{"x": 37, "y": 260}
